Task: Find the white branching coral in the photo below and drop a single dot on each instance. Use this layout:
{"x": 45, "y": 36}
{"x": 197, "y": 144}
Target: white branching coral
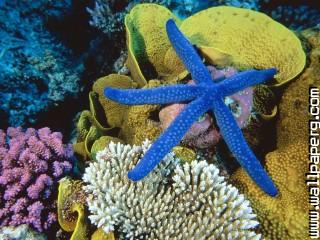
{"x": 173, "y": 202}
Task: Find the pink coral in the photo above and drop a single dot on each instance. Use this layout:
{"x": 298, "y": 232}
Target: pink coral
{"x": 31, "y": 163}
{"x": 203, "y": 134}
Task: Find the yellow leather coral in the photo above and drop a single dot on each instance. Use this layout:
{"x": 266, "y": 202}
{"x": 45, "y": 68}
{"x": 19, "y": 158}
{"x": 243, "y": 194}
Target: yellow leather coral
{"x": 225, "y": 35}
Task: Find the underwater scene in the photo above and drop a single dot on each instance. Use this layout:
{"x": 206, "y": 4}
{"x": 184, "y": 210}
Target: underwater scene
{"x": 159, "y": 119}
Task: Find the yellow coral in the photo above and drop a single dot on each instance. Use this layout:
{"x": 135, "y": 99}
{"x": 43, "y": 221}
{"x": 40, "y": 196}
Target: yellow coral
{"x": 102, "y": 143}
{"x": 253, "y": 39}
{"x": 99, "y": 234}
{"x": 147, "y": 40}
{"x": 138, "y": 125}
{"x": 71, "y": 209}
{"x": 224, "y": 35}
{"x": 113, "y": 111}
{"x": 185, "y": 154}
{"x": 286, "y": 216}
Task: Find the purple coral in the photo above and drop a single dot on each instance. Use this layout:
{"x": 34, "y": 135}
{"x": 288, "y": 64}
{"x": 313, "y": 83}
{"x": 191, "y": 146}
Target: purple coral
{"x": 31, "y": 163}
{"x": 203, "y": 134}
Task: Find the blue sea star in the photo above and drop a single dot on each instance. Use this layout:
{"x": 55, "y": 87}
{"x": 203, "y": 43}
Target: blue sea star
{"x": 202, "y": 97}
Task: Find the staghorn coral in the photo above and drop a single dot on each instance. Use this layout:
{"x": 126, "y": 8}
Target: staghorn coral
{"x": 198, "y": 205}
{"x": 31, "y": 163}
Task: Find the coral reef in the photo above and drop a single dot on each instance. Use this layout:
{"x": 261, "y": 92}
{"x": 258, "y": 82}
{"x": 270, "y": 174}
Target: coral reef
{"x": 202, "y": 97}
{"x": 99, "y": 234}
{"x": 36, "y": 70}
{"x": 235, "y": 29}
{"x": 71, "y": 209}
{"x": 31, "y": 163}
{"x": 287, "y": 167}
{"x": 258, "y": 42}
{"x": 198, "y": 205}
{"x": 297, "y": 18}
{"x": 21, "y": 232}
{"x": 202, "y": 134}
{"x": 289, "y": 162}
{"x": 106, "y": 118}
{"x": 108, "y": 15}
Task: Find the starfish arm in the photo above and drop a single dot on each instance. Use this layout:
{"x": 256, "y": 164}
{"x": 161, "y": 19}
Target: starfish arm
{"x": 159, "y": 95}
{"x": 187, "y": 54}
{"x": 237, "y": 144}
{"x": 244, "y": 79}
{"x": 169, "y": 138}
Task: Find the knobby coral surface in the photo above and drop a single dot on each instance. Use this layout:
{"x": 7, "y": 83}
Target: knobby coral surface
{"x": 286, "y": 217}
{"x": 31, "y": 162}
{"x": 198, "y": 205}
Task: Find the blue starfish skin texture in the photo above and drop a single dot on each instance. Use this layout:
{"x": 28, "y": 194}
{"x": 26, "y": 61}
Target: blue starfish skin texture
{"x": 205, "y": 96}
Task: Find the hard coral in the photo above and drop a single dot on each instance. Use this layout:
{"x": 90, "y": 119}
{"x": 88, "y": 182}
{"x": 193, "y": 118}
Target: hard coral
{"x": 289, "y": 162}
{"x": 287, "y": 167}
{"x": 202, "y": 97}
{"x": 198, "y": 205}
{"x": 21, "y": 232}
{"x": 31, "y": 162}
{"x": 251, "y": 38}
{"x": 224, "y": 35}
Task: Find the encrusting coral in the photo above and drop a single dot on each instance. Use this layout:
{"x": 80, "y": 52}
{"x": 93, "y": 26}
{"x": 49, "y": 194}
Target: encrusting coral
{"x": 286, "y": 217}
{"x": 31, "y": 163}
{"x": 198, "y": 205}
